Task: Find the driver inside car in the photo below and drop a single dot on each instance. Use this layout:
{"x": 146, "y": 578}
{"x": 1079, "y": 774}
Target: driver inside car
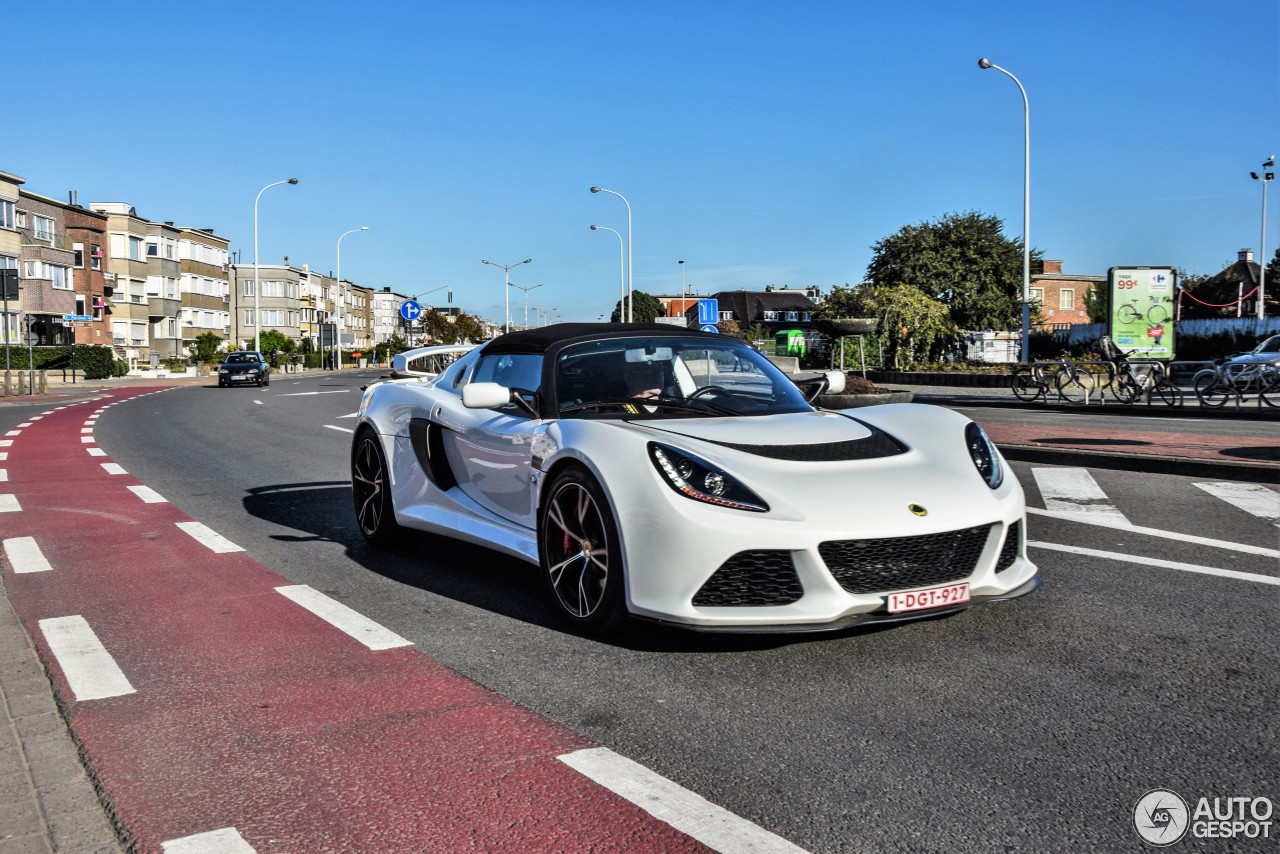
{"x": 645, "y": 380}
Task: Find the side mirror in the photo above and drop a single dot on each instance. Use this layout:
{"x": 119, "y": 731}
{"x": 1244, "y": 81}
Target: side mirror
{"x": 835, "y": 382}
{"x": 485, "y": 395}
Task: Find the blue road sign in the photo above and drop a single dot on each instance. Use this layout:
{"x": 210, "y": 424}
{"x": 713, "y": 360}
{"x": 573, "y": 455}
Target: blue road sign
{"x": 410, "y": 310}
{"x": 77, "y": 318}
{"x": 710, "y": 327}
{"x": 708, "y": 311}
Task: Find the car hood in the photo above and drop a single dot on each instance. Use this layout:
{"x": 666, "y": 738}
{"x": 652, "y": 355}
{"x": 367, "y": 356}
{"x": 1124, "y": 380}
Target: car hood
{"x": 795, "y": 428}
{"x": 1256, "y": 359}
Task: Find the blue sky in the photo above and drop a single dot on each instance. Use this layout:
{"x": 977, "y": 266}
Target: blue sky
{"x": 763, "y": 143}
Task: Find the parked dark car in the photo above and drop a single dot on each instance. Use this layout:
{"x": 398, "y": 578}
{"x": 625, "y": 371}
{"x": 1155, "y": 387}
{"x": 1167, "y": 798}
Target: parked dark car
{"x": 243, "y": 367}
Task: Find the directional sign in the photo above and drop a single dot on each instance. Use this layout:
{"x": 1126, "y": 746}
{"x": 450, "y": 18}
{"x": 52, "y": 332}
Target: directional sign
{"x": 708, "y": 311}
{"x": 77, "y": 318}
{"x": 410, "y": 310}
{"x": 710, "y": 327}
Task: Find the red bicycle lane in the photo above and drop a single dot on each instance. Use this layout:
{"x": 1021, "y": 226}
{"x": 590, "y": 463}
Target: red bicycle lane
{"x": 245, "y": 711}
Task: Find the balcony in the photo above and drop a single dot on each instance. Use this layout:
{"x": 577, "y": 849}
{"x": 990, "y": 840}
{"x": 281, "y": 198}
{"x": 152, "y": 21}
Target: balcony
{"x": 158, "y": 307}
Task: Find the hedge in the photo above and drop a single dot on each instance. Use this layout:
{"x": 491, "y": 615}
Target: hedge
{"x": 94, "y": 362}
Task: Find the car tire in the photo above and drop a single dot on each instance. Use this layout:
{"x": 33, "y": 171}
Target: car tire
{"x": 581, "y": 553}
{"x": 371, "y": 490}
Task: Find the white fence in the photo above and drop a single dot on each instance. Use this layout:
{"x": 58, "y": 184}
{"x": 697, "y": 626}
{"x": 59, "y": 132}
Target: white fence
{"x": 1247, "y": 327}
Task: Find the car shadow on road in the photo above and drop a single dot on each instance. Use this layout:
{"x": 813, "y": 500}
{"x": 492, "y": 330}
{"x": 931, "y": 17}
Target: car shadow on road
{"x": 473, "y": 575}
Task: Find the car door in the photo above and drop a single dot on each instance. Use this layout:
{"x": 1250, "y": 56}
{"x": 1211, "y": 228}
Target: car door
{"x": 490, "y": 450}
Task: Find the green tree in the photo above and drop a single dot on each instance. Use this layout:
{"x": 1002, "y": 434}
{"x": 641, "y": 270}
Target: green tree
{"x": 467, "y": 328}
{"x": 913, "y": 326}
{"x": 963, "y": 261}
{"x": 204, "y": 349}
{"x": 275, "y": 341}
{"x": 647, "y": 307}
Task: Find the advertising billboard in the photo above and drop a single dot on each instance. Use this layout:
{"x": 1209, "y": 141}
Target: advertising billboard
{"x": 1140, "y": 320}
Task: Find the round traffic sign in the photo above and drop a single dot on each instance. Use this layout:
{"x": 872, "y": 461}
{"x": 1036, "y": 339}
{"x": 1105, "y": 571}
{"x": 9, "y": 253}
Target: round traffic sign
{"x": 410, "y": 310}
{"x": 709, "y": 327}
{"x": 32, "y": 339}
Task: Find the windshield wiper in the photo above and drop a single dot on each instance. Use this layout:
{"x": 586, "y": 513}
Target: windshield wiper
{"x": 667, "y": 402}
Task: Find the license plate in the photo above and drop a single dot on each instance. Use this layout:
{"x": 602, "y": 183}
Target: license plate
{"x": 239, "y": 377}
{"x": 934, "y": 597}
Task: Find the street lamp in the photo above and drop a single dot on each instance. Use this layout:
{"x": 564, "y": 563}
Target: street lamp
{"x": 985, "y": 63}
{"x": 506, "y": 291}
{"x": 631, "y": 281}
{"x": 337, "y": 302}
{"x": 683, "y": 294}
{"x": 622, "y": 283}
{"x": 257, "y": 311}
{"x": 1262, "y": 260}
{"x": 526, "y": 299}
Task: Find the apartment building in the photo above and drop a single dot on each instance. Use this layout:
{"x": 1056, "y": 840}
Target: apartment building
{"x": 203, "y": 284}
{"x": 94, "y": 286}
{"x": 164, "y": 299}
{"x": 385, "y": 315}
{"x": 1061, "y": 295}
{"x": 278, "y": 289}
{"x": 126, "y": 260}
{"x": 316, "y": 306}
{"x": 10, "y": 243}
{"x": 48, "y": 292}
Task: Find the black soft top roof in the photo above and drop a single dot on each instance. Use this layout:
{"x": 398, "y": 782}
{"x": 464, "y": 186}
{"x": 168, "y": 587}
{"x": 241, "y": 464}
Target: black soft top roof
{"x": 544, "y": 338}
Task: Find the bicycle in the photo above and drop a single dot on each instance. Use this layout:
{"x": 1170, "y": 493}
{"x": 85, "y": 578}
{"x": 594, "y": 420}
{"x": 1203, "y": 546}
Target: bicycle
{"x": 1213, "y": 386}
{"x": 1032, "y": 381}
{"x": 1123, "y": 381}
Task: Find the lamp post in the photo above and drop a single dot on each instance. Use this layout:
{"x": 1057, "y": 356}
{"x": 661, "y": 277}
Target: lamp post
{"x": 526, "y": 299}
{"x": 1265, "y": 177}
{"x": 985, "y": 63}
{"x": 257, "y": 311}
{"x": 683, "y": 293}
{"x": 506, "y": 291}
{"x": 622, "y": 280}
{"x": 337, "y": 325}
{"x": 631, "y": 281}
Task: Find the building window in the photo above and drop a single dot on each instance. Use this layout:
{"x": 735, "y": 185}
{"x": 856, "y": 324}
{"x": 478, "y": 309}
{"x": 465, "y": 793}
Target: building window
{"x": 1066, "y": 299}
{"x": 153, "y": 249}
{"x": 135, "y": 248}
{"x": 6, "y": 214}
{"x": 1037, "y": 295}
{"x": 42, "y": 228}
{"x": 20, "y": 218}
{"x": 726, "y": 315}
{"x": 78, "y": 250}
{"x": 248, "y": 287}
{"x": 95, "y": 257}
{"x": 249, "y": 318}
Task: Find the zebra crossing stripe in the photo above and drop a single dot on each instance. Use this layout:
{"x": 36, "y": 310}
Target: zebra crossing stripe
{"x": 1157, "y": 562}
{"x": 1252, "y": 498}
{"x": 1156, "y": 532}
{"x": 1074, "y": 491}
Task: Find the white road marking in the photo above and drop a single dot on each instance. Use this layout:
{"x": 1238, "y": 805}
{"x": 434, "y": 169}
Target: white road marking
{"x": 4, "y": 474}
{"x": 28, "y": 423}
{"x": 209, "y": 538}
{"x": 343, "y": 618}
{"x": 14, "y": 433}
{"x": 9, "y": 504}
{"x": 225, "y": 841}
{"x": 1156, "y": 532}
{"x": 1164, "y": 564}
{"x": 148, "y": 495}
{"x": 87, "y": 440}
{"x": 689, "y": 813}
{"x": 25, "y": 555}
{"x": 307, "y": 393}
{"x": 6, "y": 443}
{"x": 96, "y": 452}
{"x": 258, "y": 402}
{"x": 352, "y": 415}
{"x": 4, "y": 455}
{"x": 340, "y": 429}
{"x": 113, "y": 468}
{"x": 84, "y": 430}
{"x": 1250, "y": 497}
{"x": 1073, "y": 490}
{"x": 91, "y": 672}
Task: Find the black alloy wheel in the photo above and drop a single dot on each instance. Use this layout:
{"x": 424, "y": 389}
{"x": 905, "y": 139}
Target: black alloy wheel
{"x": 580, "y": 553}
{"x": 371, "y": 490}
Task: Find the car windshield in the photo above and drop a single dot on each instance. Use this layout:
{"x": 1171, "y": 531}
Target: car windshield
{"x": 664, "y": 377}
{"x": 1271, "y": 345}
{"x": 241, "y": 358}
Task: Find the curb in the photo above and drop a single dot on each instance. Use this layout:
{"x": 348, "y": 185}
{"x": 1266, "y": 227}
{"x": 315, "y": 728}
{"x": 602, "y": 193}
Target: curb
{"x": 1146, "y": 463}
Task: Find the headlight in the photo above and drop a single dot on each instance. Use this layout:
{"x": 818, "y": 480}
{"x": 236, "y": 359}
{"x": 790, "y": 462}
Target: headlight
{"x": 984, "y": 456}
{"x": 698, "y": 479}
{"x": 252, "y": 371}
{"x": 223, "y": 371}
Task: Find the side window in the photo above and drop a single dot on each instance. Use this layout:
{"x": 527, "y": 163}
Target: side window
{"x": 512, "y": 370}
{"x": 451, "y": 378}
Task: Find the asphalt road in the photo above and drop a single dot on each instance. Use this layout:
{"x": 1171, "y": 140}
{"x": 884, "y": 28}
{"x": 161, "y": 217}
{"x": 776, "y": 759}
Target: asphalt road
{"x": 1035, "y": 724}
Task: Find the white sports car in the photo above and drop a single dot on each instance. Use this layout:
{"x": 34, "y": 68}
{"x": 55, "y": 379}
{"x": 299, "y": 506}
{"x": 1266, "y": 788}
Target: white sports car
{"x": 679, "y": 476}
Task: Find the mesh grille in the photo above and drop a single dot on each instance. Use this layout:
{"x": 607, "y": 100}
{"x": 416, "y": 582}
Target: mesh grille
{"x": 900, "y": 563}
{"x": 752, "y": 579}
{"x": 877, "y": 445}
{"x": 1009, "y": 552}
